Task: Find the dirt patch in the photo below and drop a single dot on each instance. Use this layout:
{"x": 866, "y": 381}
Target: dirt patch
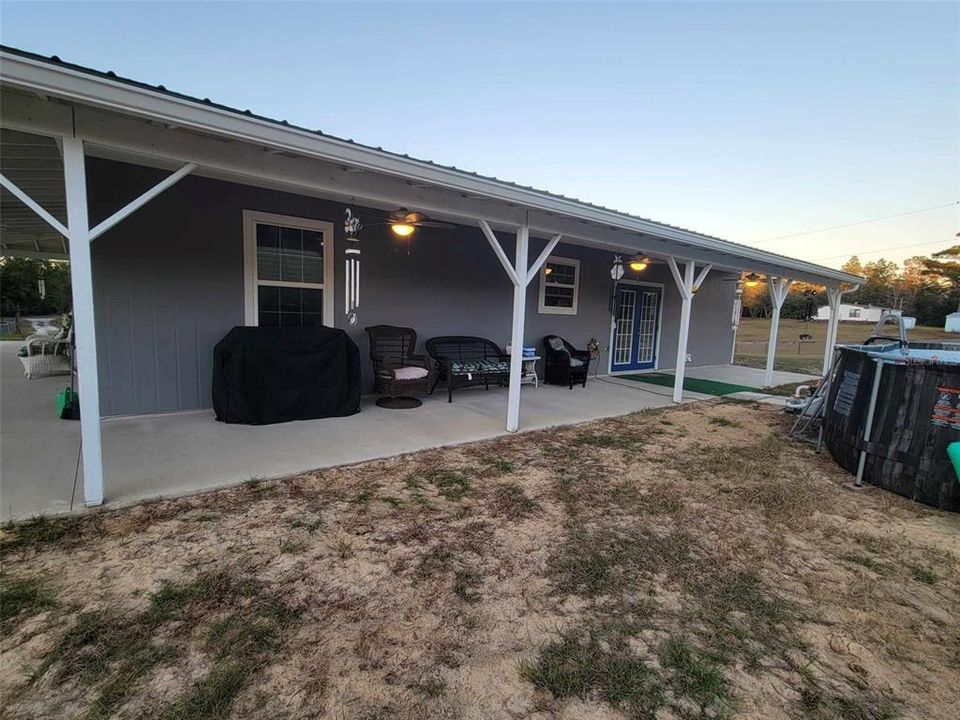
{"x": 670, "y": 564}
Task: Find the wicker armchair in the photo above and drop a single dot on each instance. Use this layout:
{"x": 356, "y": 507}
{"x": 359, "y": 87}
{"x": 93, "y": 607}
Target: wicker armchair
{"x": 565, "y": 365}
{"x": 399, "y": 372}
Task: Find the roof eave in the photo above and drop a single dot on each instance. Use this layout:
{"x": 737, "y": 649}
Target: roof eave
{"x": 91, "y": 88}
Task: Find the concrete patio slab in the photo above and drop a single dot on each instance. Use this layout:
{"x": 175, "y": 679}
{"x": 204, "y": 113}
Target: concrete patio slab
{"x": 181, "y": 453}
{"x": 742, "y": 375}
{"x": 166, "y": 455}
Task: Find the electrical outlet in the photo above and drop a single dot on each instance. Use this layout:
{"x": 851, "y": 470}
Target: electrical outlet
{"x": 689, "y": 357}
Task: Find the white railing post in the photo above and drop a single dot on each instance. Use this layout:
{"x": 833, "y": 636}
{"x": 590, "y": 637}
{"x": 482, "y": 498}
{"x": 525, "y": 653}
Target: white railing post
{"x": 81, "y": 279}
{"x": 779, "y": 287}
{"x": 833, "y": 300}
{"x": 516, "y": 336}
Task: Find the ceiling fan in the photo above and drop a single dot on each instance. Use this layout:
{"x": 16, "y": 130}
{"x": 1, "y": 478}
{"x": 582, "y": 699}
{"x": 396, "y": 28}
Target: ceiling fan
{"x": 749, "y": 279}
{"x": 403, "y": 223}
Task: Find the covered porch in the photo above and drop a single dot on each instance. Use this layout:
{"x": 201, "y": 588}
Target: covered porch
{"x": 203, "y": 165}
{"x": 181, "y": 453}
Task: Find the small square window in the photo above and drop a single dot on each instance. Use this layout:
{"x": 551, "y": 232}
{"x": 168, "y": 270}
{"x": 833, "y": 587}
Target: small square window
{"x": 559, "y": 286}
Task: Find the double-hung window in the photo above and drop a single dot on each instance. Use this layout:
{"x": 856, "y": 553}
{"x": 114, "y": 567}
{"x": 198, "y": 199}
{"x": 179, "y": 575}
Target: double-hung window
{"x": 289, "y": 270}
{"x": 559, "y": 286}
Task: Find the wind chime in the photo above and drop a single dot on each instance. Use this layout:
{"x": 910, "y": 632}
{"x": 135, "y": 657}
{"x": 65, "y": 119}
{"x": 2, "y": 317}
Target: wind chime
{"x": 352, "y": 226}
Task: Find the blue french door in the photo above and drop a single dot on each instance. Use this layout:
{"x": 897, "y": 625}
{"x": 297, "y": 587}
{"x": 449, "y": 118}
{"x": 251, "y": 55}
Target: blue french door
{"x": 636, "y": 324}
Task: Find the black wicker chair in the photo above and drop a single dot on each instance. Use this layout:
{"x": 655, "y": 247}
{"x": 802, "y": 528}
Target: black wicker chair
{"x": 398, "y": 370}
{"x": 462, "y": 360}
{"x": 564, "y": 364}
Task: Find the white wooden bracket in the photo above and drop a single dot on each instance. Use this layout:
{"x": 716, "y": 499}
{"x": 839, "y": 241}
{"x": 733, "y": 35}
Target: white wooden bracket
{"x": 498, "y": 251}
{"x": 139, "y": 202}
{"x": 541, "y": 261}
{"x": 33, "y": 205}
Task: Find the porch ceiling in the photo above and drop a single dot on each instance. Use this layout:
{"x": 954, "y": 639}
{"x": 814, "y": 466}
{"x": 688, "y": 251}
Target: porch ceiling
{"x": 137, "y": 123}
{"x": 34, "y": 164}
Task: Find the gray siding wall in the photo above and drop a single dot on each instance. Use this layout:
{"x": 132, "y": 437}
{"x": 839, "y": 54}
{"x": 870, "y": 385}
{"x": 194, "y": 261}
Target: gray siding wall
{"x": 168, "y": 284}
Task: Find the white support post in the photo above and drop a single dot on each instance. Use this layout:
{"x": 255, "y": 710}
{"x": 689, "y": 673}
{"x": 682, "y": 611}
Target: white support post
{"x": 779, "y": 288}
{"x": 520, "y": 275}
{"x": 78, "y": 231}
{"x": 516, "y": 336}
{"x": 834, "y": 294}
{"x": 81, "y": 278}
{"x": 685, "y": 284}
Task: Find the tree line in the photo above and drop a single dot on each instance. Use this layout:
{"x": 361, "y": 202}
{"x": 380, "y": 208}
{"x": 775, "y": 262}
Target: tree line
{"x": 20, "y": 287}
{"x": 927, "y": 288}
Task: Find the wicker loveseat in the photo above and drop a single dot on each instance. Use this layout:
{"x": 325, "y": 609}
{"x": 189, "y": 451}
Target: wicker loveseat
{"x": 398, "y": 370}
{"x": 462, "y": 360}
{"x": 43, "y": 355}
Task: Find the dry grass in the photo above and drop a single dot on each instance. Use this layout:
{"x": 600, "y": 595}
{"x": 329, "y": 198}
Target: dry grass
{"x": 671, "y": 564}
{"x": 794, "y": 355}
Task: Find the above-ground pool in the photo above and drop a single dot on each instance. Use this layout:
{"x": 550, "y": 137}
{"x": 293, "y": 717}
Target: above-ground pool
{"x": 916, "y": 414}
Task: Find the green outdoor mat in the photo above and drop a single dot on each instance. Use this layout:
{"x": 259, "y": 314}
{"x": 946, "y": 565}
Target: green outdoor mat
{"x": 706, "y": 387}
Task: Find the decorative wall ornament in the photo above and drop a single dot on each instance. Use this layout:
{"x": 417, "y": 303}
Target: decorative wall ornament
{"x": 352, "y": 227}
{"x": 616, "y": 272}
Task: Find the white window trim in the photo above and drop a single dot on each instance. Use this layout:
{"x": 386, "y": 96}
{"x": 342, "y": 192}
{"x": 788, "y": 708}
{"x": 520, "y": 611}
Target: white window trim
{"x": 550, "y": 310}
{"x": 250, "y": 282}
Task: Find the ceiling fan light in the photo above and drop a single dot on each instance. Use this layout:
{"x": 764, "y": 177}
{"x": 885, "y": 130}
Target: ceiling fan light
{"x": 402, "y": 229}
{"x": 751, "y": 280}
{"x": 638, "y": 264}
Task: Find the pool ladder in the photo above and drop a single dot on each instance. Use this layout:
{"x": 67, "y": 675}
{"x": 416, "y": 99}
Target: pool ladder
{"x": 877, "y": 334}
{"x": 815, "y": 408}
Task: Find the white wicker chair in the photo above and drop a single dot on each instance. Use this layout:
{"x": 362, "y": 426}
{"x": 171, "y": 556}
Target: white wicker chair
{"x": 47, "y": 354}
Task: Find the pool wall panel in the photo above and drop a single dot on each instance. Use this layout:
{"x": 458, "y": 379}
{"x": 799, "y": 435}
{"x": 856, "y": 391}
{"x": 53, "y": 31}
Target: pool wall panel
{"x": 907, "y": 452}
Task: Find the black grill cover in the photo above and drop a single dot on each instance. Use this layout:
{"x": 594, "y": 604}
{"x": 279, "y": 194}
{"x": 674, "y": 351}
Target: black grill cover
{"x": 272, "y": 375}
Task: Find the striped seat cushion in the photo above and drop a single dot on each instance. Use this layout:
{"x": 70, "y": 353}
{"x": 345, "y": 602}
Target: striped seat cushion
{"x": 479, "y": 367}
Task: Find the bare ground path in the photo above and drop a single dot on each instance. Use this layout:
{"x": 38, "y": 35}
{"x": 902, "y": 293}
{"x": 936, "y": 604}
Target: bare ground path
{"x": 677, "y": 563}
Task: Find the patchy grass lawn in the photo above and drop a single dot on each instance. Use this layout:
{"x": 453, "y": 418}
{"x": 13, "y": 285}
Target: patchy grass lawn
{"x": 806, "y": 356}
{"x": 686, "y": 563}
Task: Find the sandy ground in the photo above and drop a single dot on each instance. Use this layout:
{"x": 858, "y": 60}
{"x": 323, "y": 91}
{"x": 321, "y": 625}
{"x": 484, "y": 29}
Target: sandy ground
{"x": 437, "y": 585}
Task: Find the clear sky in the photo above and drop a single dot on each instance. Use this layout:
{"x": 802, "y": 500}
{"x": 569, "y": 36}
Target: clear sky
{"x": 747, "y": 121}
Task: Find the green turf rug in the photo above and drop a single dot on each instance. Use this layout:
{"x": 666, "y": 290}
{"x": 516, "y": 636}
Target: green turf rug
{"x": 706, "y": 387}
